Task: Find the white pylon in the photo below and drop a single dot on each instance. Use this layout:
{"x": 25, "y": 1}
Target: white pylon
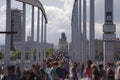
{"x": 85, "y": 53}
{"x": 92, "y": 32}
{"x": 109, "y": 35}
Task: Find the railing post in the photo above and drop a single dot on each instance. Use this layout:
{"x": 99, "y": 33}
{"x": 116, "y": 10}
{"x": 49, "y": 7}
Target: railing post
{"x": 32, "y": 38}
{"x": 37, "y": 53}
{"x": 45, "y": 41}
{"x": 79, "y": 32}
{"x": 76, "y": 33}
{"x": 8, "y": 36}
{"x": 41, "y": 50}
{"x": 23, "y": 38}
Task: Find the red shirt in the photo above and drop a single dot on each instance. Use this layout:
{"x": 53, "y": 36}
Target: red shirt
{"x": 89, "y": 73}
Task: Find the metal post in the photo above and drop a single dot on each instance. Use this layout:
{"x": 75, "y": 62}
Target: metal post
{"x": 72, "y": 44}
{"x": 79, "y": 33}
{"x": 76, "y": 30}
{"x": 8, "y": 36}
{"x": 37, "y": 53}
{"x": 85, "y": 53}
{"x": 32, "y": 38}
{"x": 41, "y": 50}
{"x": 73, "y": 38}
{"x": 45, "y": 41}
{"x": 23, "y": 38}
{"x": 92, "y": 32}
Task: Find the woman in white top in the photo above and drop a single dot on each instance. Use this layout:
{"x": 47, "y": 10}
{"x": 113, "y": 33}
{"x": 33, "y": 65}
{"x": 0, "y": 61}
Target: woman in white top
{"x": 1, "y": 74}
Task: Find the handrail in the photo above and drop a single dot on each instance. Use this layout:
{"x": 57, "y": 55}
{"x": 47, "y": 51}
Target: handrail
{"x": 37, "y": 4}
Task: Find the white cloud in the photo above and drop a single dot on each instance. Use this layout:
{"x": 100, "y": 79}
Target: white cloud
{"x": 59, "y": 21}
{"x": 2, "y": 8}
{"x": 59, "y": 17}
{"x": 2, "y": 23}
{"x": 98, "y": 30}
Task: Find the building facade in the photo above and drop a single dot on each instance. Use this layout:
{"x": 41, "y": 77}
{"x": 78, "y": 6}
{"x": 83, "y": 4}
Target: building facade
{"x": 99, "y": 49}
{"x": 16, "y": 25}
{"x": 17, "y": 45}
{"x": 63, "y": 44}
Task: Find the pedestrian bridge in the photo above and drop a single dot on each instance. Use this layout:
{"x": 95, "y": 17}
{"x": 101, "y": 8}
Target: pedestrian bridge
{"x": 41, "y": 18}
{"x": 78, "y": 41}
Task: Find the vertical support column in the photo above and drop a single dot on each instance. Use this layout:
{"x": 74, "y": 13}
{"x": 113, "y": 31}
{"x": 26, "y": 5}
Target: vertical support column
{"x": 32, "y": 38}
{"x": 45, "y": 41}
{"x": 85, "y": 53}
{"x": 23, "y": 38}
{"x": 8, "y": 36}
{"x": 79, "y": 33}
{"x": 92, "y": 32}
{"x": 72, "y": 44}
{"x": 73, "y": 38}
{"x": 41, "y": 50}
{"x": 76, "y": 31}
{"x": 38, "y": 44}
{"x": 109, "y": 35}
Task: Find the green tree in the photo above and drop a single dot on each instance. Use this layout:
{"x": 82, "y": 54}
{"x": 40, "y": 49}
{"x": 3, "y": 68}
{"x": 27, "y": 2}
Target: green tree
{"x": 27, "y": 55}
{"x": 17, "y": 54}
{"x": 34, "y": 54}
{"x": 1, "y": 55}
{"x": 49, "y": 51}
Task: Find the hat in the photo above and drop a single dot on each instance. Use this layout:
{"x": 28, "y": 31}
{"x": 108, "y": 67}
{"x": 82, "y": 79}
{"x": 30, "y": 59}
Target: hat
{"x": 11, "y": 67}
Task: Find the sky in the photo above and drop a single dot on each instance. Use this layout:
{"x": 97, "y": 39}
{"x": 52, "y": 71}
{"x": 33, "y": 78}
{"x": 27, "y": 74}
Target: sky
{"x": 59, "y": 14}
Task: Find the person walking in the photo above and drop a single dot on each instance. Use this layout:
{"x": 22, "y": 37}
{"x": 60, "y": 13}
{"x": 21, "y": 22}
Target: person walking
{"x": 74, "y": 72}
{"x": 18, "y": 72}
{"x": 53, "y": 72}
{"x": 110, "y": 73}
{"x": 88, "y": 70}
{"x": 11, "y": 73}
{"x": 102, "y": 71}
{"x": 117, "y": 74}
{"x": 1, "y": 73}
{"x": 61, "y": 71}
{"x": 95, "y": 73}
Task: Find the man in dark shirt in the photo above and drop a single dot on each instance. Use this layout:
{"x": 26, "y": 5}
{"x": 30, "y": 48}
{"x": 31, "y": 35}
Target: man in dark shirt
{"x": 11, "y": 74}
{"x": 61, "y": 71}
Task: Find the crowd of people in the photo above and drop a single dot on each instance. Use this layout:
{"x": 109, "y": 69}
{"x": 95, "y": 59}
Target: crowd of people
{"x": 95, "y": 71}
{"x": 57, "y": 67}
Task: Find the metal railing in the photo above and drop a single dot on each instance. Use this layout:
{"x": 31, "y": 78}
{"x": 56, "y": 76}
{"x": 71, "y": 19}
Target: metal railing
{"x": 33, "y": 3}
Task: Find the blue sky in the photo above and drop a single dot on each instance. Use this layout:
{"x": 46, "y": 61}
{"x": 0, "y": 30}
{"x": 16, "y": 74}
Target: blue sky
{"x": 59, "y": 18}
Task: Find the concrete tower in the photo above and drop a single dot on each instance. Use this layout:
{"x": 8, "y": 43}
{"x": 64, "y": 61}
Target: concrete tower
{"x": 16, "y": 23}
{"x": 63, "y": 45}
{"x": 109, "y": 33}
